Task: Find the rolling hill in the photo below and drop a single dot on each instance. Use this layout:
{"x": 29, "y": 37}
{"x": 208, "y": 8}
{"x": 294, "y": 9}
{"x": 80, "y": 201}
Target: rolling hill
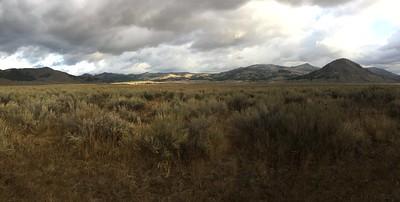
{"x": 171, "y": 76}
{"x": 384, "y": 73}
{"x": 262, "y": 72}
{"x": 344, "y": 71}
{"x": 259, "y": 72}
{"x": 36, "y": 75}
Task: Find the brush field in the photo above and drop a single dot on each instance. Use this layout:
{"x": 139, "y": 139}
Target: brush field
{"x": 200, "y": 142}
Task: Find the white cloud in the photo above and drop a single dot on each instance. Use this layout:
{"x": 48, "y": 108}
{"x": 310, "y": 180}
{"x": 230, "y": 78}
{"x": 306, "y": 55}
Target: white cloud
{"x": 13, "y": 61}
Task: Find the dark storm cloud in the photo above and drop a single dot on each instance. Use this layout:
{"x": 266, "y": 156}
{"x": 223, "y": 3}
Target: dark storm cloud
{"x": 106, "y": 26}
{"x": 386, "y": 55}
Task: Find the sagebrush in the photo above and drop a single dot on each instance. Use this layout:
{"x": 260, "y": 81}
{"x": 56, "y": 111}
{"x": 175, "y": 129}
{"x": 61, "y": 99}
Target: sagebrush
{"x": 200, "y": 142}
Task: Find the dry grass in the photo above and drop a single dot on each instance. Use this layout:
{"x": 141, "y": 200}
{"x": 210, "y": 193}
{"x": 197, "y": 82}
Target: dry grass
{"x": 200, "y": 142}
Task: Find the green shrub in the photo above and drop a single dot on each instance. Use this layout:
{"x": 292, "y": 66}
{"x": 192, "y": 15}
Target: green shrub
{"x": 239, "y": 102}
{"x": 167, "y": 139}
{"x": 148, "y": 96}
{"x": 62, "y": 104}
{"x": 5, "y": 137}
{"x": 90, "y": 124}
{"x": 196, "y": 145}
{"x": 132, "y": 104}
{"x": 394, "y": 109}
{"x": 373, "y": 96}
{"x": 99, "y": 98}
{"x": 5, "y": 99}
{"x": 106, "y": 128}
{"x": 295, "y": 99}
{"x": 164, "y": 139}
{"x": 209, "y": 107}
{"x": 291, "y": 133}
{"x": 19, "y": 116}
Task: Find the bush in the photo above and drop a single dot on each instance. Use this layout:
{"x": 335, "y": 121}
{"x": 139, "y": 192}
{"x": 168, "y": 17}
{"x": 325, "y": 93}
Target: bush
{"x": 20, "y": 117}
{"x": 92, "y": 125}
{"x": 167, "y": 139}
{"x": 132, "y": 104}
{"x": 163, "y": 139}
{"x": 107, "y": 128}
{"x": 394, "y": 109}
{"x": 5, "y": 137}
{"x": 239, "y": 102}
{"x": 196, "y": 145}
{"x": 292, "y": 133}
{"x": 195, "y": 108}
{"x": 295, "y": 99}
{"x": 5, "y": 99}
{"x": 373, "y": 96}
{"x": 62, "y": 104}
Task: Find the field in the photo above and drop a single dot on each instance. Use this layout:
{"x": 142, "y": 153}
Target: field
{"x": 200, "y": 142}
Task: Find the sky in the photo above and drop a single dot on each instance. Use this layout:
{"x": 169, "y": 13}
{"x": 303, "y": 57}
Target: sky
{"x": 137, "y": 36}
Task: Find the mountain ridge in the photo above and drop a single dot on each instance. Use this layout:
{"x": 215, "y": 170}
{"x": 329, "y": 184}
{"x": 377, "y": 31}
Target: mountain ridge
{"x": 384, "y": 73}
{"x": 37, "y": 75}
{"x": 340, "y": 70}
{"x": 344, "y": 71}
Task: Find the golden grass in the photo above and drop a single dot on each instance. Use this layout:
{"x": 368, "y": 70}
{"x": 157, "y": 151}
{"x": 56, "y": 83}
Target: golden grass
{"x": 200, "y": 142}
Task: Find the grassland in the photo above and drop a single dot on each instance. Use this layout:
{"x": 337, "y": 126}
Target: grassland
{"x": 200, "y": 142}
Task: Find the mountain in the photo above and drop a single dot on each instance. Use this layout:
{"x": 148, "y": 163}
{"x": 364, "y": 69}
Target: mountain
{"x": 109, "y": 77}
{"x": 305, "y": 68}
{"x": 384, "y": 73}
{"x": 263, "y": 72}
{"x": 172, "y": 76}
{"x": 36, "y": 75}
{"x": 344, "y": 70}
{"x": 252, "y": 73}
{"x": 341, "y": 70}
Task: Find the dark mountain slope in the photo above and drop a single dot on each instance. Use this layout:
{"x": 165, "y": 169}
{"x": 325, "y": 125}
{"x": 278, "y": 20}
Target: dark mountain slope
{"x": 263, "y": 72}
{"x": 343, "y": 70}
{"x": 384, "y": 73}
{"x": 173, "y": 76}
{"x": 37, "y": 75}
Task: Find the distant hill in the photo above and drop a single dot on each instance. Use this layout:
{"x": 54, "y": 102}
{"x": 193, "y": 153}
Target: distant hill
{"x": 111, "y": 77}
{"x": 108, "y": 77}
{"x": 384, "y": 73}
{"x": 345, "y": 71}
{"x": 263, "y": 72}
{"x": 36, "y": 75}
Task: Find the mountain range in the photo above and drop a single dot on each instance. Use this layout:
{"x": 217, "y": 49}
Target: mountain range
{"x": 261, "y": 72}
{"x": 346, "y": 71}
{"x": 43, "y": 75}
{"x": 338, "y": 71}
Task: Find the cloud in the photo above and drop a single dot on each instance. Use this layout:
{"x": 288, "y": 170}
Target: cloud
{"x": 133, "y": 36}
{"x": 385, "y": 56}
{"x": 317, "y": 2}
{"x": 101, "y": 25}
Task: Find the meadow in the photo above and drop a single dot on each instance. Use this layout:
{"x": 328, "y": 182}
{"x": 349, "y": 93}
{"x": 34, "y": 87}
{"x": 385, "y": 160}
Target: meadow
{"x": 200, "y": 142}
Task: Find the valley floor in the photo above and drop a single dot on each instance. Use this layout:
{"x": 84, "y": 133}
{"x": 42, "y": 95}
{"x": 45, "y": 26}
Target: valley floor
{"x": 200, "y": 142}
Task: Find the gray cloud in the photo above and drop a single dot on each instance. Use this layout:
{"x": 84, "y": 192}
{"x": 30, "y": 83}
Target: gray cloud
{"x": 102, "y": 25}
{"x": 387, "y": 56}
{"x": 317, "y": 2}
